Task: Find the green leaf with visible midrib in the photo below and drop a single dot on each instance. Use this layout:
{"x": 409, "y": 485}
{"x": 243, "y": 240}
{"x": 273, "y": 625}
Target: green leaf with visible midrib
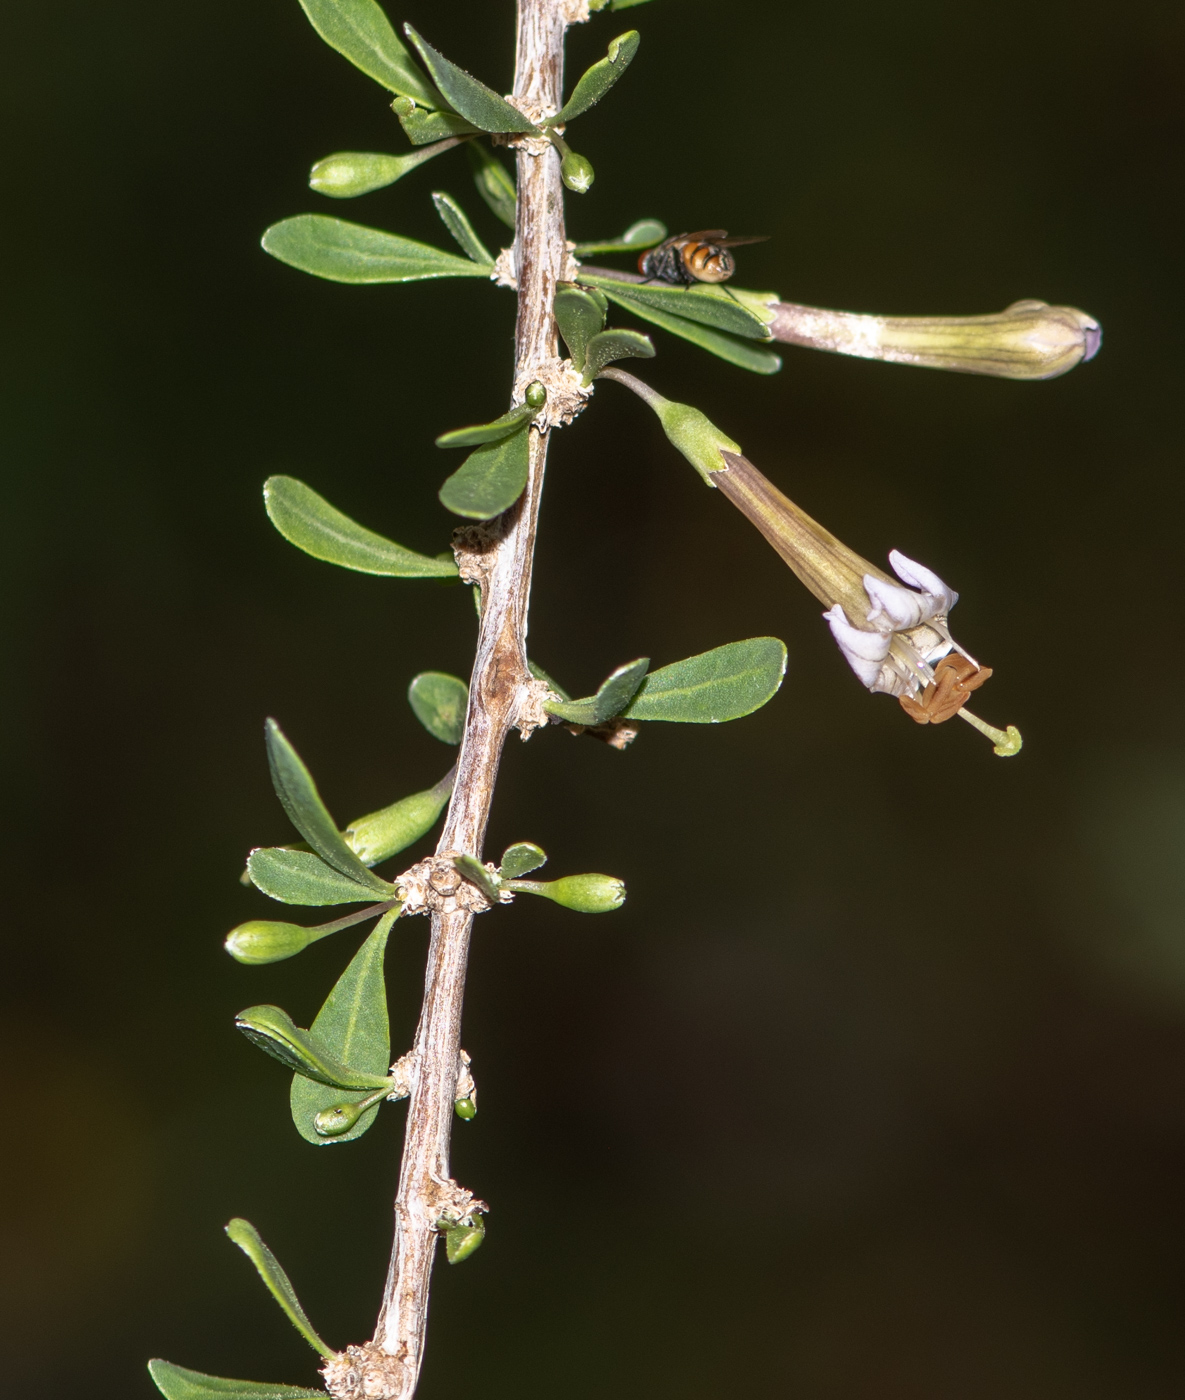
{"x": 488, "y": 432}
{"x": 454, "y": 219}
{"x": 180, "y": 1383}
{"x": 608, "y": 346}
{"x": 710, "y": 306}
{"x": 272, "y": 1030}
{"x": 308, "y": 521}
{"x": 494, "y": 183}
{"x": 421, "y": 126}
{"x": 476, "y": 103}
{"x": 490, "y": 479}
{"x": 439, "y": 701}
{"x": 344, "y": 252}
{"x": 353, "y": 1026}
{"x": 361, "y": 32}
{"x": 300, "y": 799}
{"x": 277, "y": 1282}
{"x": 580, "y": 315}
{"x": 598, "y": 79}
{"x": 299, "y": 877}
{"x": 737, "y": 351}
{"x": 726, "y": 683}
{"x": 611, "y": 699}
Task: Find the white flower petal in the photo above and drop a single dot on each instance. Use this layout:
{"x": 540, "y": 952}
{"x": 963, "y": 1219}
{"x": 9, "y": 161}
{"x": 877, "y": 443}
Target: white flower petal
{"x": 918, "y": 576}
{"x": 864, "y": 651}
{"x": 901, "y": 608}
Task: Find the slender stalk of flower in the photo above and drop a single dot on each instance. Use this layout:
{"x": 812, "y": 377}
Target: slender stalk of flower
{"x": 893, "y": 632}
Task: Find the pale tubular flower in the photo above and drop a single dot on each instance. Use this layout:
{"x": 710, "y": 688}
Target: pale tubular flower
{"x": 891, "y": 633}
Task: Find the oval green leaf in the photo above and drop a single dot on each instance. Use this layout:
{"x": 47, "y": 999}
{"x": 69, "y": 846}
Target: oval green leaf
{"x": 300, "y": 799}
{"x": 710, "y": 306}
{"x": 347, "y": 174}
{"x": 439, "y": 702}
{"x": 277, "y": 1282}
{"x": 644, "y": 234}
{"x": 494, "y": 183}
{"x": 737, "y": 351}
{"x": 353, "y": 1026}
{"x": 476, "y": 103}
{"x": 361, "y": 32}
{"x": 421, "y": 126}
{"x": 603, "y": 349}
{"x": 276, "y": 1034}
{"x": 521, "y": 859}
{"x": 598, "y": 79}
{"x": 491, "y": 479}
{"x": 380, "y": 835}
{"x": 180, "y": 1383}
{"x": 580, "y": 315}
{"x": 299, "y": 877}
{"x": 308, "y": 521}
{"x": 488, "y": 432}
{"x": 726, "y": 683}
{"x": 611, "y": 699}
{"x": 344, "y": 252}
{"x": 454, "y": 219}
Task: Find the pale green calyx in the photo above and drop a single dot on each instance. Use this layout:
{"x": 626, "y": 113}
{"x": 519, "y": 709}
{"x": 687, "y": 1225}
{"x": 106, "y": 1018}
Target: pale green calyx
{"x": 693, "y": 433}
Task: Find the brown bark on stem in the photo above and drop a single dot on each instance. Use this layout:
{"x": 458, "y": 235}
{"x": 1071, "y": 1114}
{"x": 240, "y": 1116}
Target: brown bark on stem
{"x": 498, "y": 556}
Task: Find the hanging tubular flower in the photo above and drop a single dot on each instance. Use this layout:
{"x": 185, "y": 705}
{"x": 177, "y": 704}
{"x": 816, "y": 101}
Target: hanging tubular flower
{"x": 894, "y": 635}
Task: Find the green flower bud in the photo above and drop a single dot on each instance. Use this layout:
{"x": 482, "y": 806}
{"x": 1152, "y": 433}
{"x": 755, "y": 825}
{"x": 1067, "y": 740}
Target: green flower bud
{"x": 577, "y": 173}
{"x": 460, "y": 1243}
{"x": 587, "y": 894}
{"x": 466, "y": 1109}
{"x": 262, "y": 941}
{"x": 380, "y": 835}
{"x": 340, "y": 1117}
{"x": 690, "y": 431}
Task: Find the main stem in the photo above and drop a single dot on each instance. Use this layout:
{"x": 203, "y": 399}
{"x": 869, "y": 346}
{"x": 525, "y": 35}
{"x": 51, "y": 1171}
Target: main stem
{"x": 499, "y": 687}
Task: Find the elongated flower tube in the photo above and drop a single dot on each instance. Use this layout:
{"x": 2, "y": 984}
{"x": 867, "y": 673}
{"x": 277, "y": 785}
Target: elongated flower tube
{"x": 893, "y": 632}
{"x": 1028, "y": 340}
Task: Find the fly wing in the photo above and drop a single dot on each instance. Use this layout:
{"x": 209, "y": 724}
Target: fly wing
{"x": 703, "y": 235}
{"x": 725, "y": 242}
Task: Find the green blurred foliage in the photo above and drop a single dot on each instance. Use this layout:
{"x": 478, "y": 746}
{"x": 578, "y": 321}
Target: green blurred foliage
{"x": 874, "y": 1086}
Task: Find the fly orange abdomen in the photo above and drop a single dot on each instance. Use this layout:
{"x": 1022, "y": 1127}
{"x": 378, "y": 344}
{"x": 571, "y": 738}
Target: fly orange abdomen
{"x": 693, "y": 257}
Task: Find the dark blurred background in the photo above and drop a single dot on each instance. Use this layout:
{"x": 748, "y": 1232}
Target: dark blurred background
{"x": 876, "y": 1086}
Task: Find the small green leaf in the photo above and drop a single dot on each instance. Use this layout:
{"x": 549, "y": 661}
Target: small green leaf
{"x": 475, "y": 102}
{"x": 521, "y": 859}
{"x": 737, "y": 351}
{"x": 462, "y": 230}
{"x": 460, "y": 1243}
{"x": 180, "y": 1383}
{"x": 345, "y": 252}
{"x": 278, "y": 1284}
{"x": 421, "y": 126}
{"x": 644, "y": 234}
{"x": 494, "y": 183}
{"x": 586, "y": 894}
{"x": 580, "y": 315}
{"x": 274, "y": 1032}
{"x": 554, "y": 686}
{"x": 489, "y": 432}
{"x": 380, "y": 835}
{"x": 598, "y": 79}
{"x": 353, "y": 1026}
{"x": 439, "y": 702}
{"x": 725, "y": 683}
{"x": 299, "y": 877}
{"x": 477, "y": 874}
{"x": 347, "y": 174}
{"x": 308, "y": 521}
{"x": 361, "y": 32}
{"x": 490, "y": 479}
{"x": 603, "y": 349}
{"x": 300, "y": 799}
{"x": 614, "y": 695}
{"x": 709, "y": 305}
